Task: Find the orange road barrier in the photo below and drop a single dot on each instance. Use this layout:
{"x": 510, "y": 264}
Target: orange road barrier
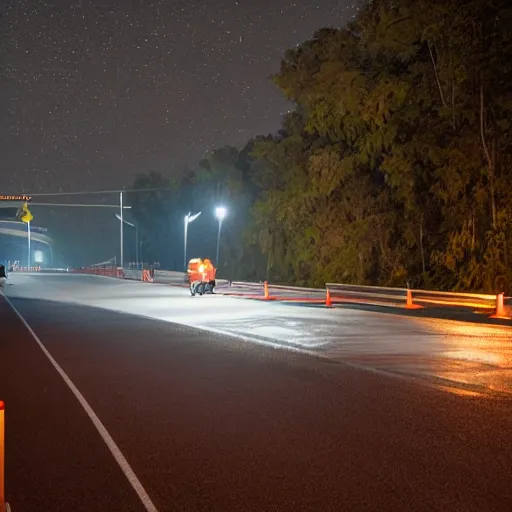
{"x": 501, "y": 310}
{"x": 3, "y": 507}
{"x": 328, "y": 301}
{"x": 410, "y": 304}
{"x": 146, "y": 276}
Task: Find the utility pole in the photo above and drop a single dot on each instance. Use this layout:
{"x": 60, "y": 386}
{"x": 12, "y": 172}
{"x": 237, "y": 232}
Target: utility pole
{"x": 137, "y": 246}
{"x": 187, "y": 217}
{"x": 218, "y": 242}
{"x": 121, "y": 229}
{"x": 29, "y": 259}
{"x": 220, "y": 213}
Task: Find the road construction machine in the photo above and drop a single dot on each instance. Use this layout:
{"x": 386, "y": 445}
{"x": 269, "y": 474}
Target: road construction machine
{"x": 201, "y": 276}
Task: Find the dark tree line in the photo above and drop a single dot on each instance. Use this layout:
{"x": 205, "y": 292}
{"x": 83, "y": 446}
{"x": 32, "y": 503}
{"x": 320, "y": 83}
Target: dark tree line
{"x": 394, "y": 165}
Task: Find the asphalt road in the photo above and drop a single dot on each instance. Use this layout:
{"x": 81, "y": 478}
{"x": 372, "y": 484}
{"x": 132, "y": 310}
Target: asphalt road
{"x": 473, "y": 357}
{"x": 208, "y": 421}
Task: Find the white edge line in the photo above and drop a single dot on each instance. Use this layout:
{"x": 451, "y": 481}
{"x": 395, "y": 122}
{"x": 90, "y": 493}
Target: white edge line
{"x": 107, "y": 438}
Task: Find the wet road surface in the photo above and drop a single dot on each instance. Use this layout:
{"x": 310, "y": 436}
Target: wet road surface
{"x": 210, "y": 422}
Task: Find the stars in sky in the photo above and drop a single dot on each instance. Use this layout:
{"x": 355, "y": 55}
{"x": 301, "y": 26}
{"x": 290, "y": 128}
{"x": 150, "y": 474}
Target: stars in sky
{"x": 94, "y": 92}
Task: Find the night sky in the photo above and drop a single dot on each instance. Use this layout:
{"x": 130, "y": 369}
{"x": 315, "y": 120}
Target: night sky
{"x": 94, "y": 92}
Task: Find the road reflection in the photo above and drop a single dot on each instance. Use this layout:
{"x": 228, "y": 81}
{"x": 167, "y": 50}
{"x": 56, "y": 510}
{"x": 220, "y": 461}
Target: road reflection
{"x": 475, "y": 354}
{"x": 464, "y": 358}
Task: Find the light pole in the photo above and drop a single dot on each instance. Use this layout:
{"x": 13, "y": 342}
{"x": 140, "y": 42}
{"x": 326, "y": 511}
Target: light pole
{"x": 188, "y": 219}
{"x": 220, "y": 213}
{"x": 121, "y": 228}
{"x": 136, "y": 226}
{"x": 29, "y": 259}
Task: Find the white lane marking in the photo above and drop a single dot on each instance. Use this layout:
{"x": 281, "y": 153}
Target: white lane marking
{"x": 107, "y": 438}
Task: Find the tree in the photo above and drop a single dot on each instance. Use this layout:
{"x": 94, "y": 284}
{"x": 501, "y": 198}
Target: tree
{"x": 394, "y": 165}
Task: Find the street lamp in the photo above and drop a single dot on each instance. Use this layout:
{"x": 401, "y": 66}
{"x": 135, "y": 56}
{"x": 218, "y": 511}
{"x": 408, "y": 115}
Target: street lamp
{"x": 136, "y": 226}
{"x": 220, "y": 213}
{"x": 188, "y": 219}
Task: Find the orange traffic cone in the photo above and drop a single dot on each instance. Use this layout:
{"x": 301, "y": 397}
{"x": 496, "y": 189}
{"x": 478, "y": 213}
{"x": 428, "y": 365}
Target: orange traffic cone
{"x": 500, "y": 306}
{"x": 409, "y": 304}
{"x": 328, "y": 302}
{"x": 265, "y": 290}
{"x": 146, "y": 276}
{"x": 501, "y": 310}
{"x": 2, "y": 455}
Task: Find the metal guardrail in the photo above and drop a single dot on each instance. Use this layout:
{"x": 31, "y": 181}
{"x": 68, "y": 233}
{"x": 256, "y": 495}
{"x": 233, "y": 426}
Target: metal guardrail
{"x": 133, "y": 274}
{"x": 424, "y": 298}
{"x": 169, "y": 277}
{"x": 40, "y": 270}
{"x": 385, "y": 296}
{"x": 243, "y": 284}
{"x": 279, "y": 287}
{"x": 453, "y": 299}
{"x": 296, "y": 289}
{"x": 380, "y": 296}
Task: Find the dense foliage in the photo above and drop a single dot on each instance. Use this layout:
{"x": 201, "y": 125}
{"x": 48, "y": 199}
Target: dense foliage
{"x": 395, "y": 164}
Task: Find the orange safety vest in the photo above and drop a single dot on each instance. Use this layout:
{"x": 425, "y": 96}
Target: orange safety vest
{"x": 209, "y": 271}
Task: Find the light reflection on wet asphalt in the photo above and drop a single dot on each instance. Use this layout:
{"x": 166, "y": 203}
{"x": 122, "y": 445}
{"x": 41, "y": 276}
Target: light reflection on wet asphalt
{"x": 448, "y": 353}
{"x": 458, "y": 356}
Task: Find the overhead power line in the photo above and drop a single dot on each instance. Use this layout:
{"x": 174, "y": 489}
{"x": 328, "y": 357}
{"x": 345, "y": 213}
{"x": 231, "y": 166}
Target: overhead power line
{"x": 97, "y": 192}
{"x": 84, "y": 205}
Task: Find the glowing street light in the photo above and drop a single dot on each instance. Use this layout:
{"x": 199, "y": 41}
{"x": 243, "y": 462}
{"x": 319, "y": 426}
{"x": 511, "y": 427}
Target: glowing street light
{"x": 220, "y": 213}
{"x": 188, "y": 219}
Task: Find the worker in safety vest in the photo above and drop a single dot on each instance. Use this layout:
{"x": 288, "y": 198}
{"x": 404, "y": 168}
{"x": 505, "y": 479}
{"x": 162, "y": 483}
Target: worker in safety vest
{"x": 209, "y": 270}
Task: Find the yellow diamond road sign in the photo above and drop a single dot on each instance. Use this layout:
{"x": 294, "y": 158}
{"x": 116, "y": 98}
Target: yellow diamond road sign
{"x": 27, "y": 216}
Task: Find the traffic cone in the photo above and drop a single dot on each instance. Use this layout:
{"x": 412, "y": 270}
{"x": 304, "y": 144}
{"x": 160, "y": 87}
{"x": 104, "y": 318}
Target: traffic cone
{"x": 2, "y": 457}
{"x": 265, "y": 290}
{"x": 500, "y": 306}
{"x": 409, "y": 304}
{"x": 328, "y": 302}
{"x": 502, "y": 311}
